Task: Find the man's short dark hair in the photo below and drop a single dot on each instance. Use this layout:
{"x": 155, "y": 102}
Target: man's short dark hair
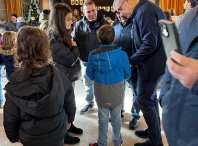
{"x": 193, "y": 3}
{"x": 88, "y": 2}
{"x": 46, "y": 11}
{"x": 106, "y": 34}
{"x": 53, "y": 2}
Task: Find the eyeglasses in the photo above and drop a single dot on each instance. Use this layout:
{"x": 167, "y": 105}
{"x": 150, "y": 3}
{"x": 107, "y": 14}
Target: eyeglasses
{"x": 119, "y": 9}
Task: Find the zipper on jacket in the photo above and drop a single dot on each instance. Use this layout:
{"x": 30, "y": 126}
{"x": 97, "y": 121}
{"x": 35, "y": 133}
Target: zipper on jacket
{"x": 109, "y": 60}
{"x": 89, "y": 41}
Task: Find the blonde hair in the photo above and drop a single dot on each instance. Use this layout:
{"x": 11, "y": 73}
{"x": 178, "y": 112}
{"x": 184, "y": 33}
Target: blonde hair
{"x": 9, "y": 39}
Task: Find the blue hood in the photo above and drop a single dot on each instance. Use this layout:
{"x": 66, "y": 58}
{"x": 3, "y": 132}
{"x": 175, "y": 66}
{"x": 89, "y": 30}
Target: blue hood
{"x": 189, "y": 29}
{"x": 106, "y": 61}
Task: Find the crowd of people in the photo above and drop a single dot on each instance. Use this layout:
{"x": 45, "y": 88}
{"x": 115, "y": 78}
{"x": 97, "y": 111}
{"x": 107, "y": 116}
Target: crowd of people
{"x": 40, "y": 101}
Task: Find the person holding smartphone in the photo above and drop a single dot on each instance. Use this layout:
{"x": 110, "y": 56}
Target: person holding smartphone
{"x": 179, "y": 92}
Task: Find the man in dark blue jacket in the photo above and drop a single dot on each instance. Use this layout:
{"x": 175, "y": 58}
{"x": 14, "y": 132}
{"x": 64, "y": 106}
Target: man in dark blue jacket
{"x": 86, "y": 38}
{"x": 149, "y": 57}
{"x": 123, "y": 33}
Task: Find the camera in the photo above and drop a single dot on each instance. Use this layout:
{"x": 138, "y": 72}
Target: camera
{"x": 164, "y": 30}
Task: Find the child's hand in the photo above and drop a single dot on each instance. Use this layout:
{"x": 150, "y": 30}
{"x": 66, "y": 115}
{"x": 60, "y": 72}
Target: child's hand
{"x": 68, "y": 126}
{"x": 19, "y": 141}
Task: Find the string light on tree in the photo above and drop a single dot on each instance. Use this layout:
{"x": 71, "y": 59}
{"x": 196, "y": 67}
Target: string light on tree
{"x": 32, "y": 10}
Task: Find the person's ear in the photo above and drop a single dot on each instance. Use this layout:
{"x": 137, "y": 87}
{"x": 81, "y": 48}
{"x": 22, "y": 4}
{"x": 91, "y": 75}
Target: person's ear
{"x": 128, "y": 2}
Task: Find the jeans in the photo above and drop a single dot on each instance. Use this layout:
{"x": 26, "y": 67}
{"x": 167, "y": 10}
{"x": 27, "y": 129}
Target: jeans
{"x": 132, "y": 81}
{"x": 148, "y": 104}
{"x": 103, "y": 121}
{"x": 89, "y": 90}
{"x": 1, "y": 95}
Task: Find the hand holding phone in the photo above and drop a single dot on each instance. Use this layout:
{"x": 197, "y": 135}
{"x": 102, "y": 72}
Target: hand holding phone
{"x": 170, "y": 37}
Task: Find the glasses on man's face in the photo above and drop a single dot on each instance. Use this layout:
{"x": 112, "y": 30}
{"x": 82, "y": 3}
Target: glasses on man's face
{"x": 88, "y": 12}
{"x": 119, "y": 10}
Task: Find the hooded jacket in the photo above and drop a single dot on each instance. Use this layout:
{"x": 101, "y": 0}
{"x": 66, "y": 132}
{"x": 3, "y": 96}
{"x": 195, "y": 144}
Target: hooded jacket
{"x": 86, "y": 37}
{"x": 180, "y": 105}
{"x": 37, "y": 109}
{"x": 8, "y": 59}
{"x": 108, "y": 66}
{"x": 148, "y": 55}
{"x": 66, "y": 58}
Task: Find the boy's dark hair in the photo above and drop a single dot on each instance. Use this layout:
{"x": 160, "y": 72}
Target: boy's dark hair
{"x": 106, "y": 34}
{"x": 193, "y": 3}
{"x": 53, "y": 2}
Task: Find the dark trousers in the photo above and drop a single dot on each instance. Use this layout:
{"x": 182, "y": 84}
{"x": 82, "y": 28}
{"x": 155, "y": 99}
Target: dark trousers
{"x": 148, "y": 104}
{"x": 61, "y": 143}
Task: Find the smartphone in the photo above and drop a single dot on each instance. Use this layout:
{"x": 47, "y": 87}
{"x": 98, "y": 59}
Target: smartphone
{"x": 170, "y": 37}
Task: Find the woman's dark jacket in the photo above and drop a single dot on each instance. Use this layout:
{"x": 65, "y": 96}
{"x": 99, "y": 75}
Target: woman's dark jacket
{"x": 37, "y": 109}
{"x": 8, "y": 58}
{"x": 66, "y": 59}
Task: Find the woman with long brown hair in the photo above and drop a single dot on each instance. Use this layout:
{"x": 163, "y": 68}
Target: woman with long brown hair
{"x": 39, "y": 98}
{"x": 7, "y": 50}
{"x": 65, "y": 52}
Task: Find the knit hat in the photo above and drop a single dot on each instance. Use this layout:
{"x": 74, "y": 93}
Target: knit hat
{"x": 20, "y": 19}
{"x": 15, "y": 15}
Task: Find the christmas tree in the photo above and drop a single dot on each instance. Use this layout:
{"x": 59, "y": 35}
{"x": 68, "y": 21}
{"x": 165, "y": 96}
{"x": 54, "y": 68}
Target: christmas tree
{"x": 32, "y": 10}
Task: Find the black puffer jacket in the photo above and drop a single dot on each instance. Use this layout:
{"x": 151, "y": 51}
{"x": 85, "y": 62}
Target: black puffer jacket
{"x": 66, "y": 59}
{"x": 38, "y": 109}
{"x": 85, "y": 36}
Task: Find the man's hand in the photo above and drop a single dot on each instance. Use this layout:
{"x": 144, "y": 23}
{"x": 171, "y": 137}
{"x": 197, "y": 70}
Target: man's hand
{"x": 186, "y": 71}
{"x": 19, "y": 141}
{"x": 68, "y": 126}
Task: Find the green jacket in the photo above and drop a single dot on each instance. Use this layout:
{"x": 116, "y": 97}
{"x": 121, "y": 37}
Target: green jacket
{"x": 12, "y": 26}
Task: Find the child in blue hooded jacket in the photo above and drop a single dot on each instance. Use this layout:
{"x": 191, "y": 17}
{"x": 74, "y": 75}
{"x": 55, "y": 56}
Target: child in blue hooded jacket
{"x": 108, "y": 66}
